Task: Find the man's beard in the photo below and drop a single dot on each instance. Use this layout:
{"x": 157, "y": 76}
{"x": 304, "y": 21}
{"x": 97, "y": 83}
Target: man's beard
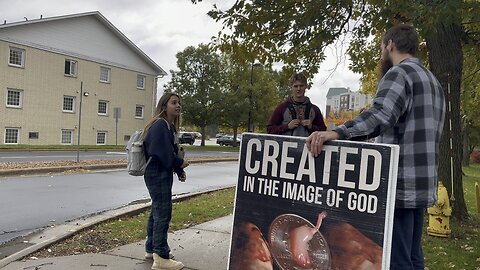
{"x": 385, "y": 65}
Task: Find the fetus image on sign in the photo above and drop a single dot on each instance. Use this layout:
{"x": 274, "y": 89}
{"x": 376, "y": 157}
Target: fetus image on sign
{"x": 351, "y": 249}
{"x": 299, "y": 241}
{"x": 250, "y": 249}
{"x": 297, "y": 244}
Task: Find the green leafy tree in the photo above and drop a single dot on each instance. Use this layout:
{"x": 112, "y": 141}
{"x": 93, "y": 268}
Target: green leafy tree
{"x": 267, "y": 93}
{"x": 249, "y": 89}
{"x": 233, "y": 112}
{"x": 470, "y": 102}
{"x": 296, "y": 33}
{"x": 198, "y": 82}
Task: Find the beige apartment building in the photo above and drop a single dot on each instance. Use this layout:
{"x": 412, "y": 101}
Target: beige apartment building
{"x": 59, "y": 72}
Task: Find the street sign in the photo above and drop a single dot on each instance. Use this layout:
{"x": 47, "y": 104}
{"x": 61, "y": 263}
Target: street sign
{"x": 117, "y": 112}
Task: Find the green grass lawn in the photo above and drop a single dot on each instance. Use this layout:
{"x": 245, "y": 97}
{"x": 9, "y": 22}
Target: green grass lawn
{"x": 125, "y": 230}
{"x": 462, "y": 249}
{"x": 60, "y": 147}
{"x": 210, "y": 148}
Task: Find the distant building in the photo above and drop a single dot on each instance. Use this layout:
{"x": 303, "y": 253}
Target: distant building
{"x": 43, "y": 63}
{"x": 343, "y": 99}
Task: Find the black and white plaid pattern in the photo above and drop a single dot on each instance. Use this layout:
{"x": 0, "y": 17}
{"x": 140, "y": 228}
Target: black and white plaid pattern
{"x": 408, "y": 110}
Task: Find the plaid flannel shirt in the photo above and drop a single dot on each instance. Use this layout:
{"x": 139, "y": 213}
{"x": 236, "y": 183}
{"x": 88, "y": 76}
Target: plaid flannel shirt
{"x": 408, "y": 110}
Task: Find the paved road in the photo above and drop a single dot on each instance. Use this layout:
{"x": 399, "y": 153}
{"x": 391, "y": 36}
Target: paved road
{"x": 30, "y": 203}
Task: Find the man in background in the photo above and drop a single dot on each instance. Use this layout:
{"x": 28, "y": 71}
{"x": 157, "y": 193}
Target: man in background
{"x": 296, "y": 116}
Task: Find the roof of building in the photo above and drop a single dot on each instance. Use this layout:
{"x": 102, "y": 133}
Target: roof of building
{"x": 94, "y": 14}
{"x": 337, "y": 91}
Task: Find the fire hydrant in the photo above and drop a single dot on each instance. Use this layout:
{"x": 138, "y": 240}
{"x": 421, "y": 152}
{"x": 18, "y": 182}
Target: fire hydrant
{"x": 439, "y": 214}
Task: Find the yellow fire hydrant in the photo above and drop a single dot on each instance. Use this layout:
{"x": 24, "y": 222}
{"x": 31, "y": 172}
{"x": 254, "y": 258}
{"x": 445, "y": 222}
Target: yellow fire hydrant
{"x": 439, "y": 214}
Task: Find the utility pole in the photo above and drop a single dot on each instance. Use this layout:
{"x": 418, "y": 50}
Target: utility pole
{"x": 250, "y": 129}
{"x": 80, "y": 119}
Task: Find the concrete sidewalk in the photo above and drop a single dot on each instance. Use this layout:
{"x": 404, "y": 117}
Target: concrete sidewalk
{"x": 202, "y": 247}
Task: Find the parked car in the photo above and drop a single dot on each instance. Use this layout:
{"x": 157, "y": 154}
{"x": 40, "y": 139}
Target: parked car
{"x": 197, "y": 135}
{"x": 227, "y": 140}
{"x": 219, "y": 135}
{"x": 186, "y": 137}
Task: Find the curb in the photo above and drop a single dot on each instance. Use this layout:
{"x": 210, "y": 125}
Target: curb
{"x": 96, "y": 167}
{"x": 97, "y": 219}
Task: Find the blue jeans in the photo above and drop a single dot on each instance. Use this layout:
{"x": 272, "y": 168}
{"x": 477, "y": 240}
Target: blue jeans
{"x": 159, "y": 185}
{"x": 407, "y": 251}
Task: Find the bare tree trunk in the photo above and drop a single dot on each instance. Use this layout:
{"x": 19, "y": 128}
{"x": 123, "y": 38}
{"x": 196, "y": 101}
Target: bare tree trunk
{"x": 235, "y": 134}
{"x": 446, "y": 62}
{"x": 203, "y": 128}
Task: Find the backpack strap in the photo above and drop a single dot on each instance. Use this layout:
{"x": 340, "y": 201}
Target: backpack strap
{"x": 292, "y": 110}
{"x": 308, "y": 107}
{"x": 148, "y": 162}
{"x": 293, "y": 113}
{"x": 166, "y": 122}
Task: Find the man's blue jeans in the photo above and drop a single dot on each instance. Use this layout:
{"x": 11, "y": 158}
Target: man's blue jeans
{"x": 407, "y": 251}
{"x": 159, "y": 185}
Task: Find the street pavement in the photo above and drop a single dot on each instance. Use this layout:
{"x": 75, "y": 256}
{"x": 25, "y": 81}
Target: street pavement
{"x": 202, "y": 247}
{"x": 29, "y": 203}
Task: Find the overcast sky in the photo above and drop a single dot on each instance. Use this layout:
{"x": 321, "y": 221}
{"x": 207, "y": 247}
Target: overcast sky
{"x": 161, "y": 28}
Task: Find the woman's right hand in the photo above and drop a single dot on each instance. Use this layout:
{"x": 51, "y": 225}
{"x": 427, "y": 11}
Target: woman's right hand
{"x": 184, "y": 164}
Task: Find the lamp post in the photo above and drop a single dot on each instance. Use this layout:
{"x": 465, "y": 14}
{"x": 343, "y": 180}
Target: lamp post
{"x": 80, "y": 119}
{"x": 250, "y": 129}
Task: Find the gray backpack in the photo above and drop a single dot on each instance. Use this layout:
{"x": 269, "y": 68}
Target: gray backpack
{"x": 136, "y": 161}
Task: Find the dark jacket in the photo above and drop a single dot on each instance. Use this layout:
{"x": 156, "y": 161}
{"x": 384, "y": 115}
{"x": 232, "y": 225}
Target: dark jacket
{"x": 160, "y": 145}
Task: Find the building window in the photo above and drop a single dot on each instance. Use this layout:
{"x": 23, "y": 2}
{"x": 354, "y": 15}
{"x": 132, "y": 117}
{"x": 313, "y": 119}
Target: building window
{"x": 67, "y": 136}
{"x": 33, "y": 135}
{"x": 14, "y": 98}
{"x": 139, "y": 111}
{"x": 68, "y": 104}
{"x": 102, "y": 137}
{"x": 126, "y": 138}
{"x": 11, "y": 135}
{"x": 103, "y": 107}
{"x": 104, "y": 74}
{"x": 140, "y": 82}
{"x": 70, "y": 67}
{"x": 17, "y": 57}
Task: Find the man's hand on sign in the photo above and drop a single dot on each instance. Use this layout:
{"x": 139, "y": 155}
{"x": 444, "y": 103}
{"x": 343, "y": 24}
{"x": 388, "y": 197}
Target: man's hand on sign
{"x": 316, "y": 140}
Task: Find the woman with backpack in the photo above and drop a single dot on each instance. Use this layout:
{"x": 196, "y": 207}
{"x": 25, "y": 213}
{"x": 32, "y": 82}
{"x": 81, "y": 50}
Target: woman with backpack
{"x": 161, "y": 145}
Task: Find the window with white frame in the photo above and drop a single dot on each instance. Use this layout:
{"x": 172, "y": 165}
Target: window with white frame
{"x": 14, "y": 98}
{"x": 70, "y": 67}
{"x": 101, "y": 137}
{"x": 68, "y": 104}
{"x": 139, "y": 111}
{"x": 104, "y": 74}
{"x": 12, "y": 135}
{"x": 102, "y": 107}
{"x": 140, "y": 82}
{"x": 67, "y": 136}
{"x": 17, "y": 57}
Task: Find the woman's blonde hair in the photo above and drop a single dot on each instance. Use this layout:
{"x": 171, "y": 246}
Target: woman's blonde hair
{"x": 160, "y": 112}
